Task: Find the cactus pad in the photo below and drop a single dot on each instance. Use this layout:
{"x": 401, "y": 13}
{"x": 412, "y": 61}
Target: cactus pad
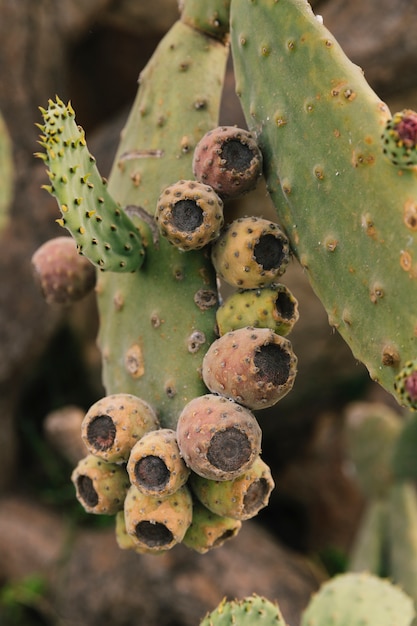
{"x": 251, "y": 611}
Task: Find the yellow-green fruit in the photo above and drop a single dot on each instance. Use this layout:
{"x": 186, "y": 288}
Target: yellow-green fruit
{"x": 100, "y": 487}
{"x": 241, "y": 498}
{"x": 124, "y": 540}
{"x": 114, "y": 424}
{"x": 272, "y": 307}
{"x": 155, "y": 465}
{"x": 189, "y": 214}
{"x": 156, "y": 523}
{"x": 251, "y": 252}
{"x": 209, "y": 530}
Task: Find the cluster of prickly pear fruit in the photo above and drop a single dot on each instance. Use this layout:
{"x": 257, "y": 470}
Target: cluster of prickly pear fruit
{"x": 174, "y": 447}
{"x": 346, "y": 600}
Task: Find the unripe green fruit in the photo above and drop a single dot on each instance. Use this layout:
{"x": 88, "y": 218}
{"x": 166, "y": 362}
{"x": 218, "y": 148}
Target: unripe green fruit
{"x": 241, "y": 498}
{"x": 114, "y": 424}
{"x": 189, "y": 214}
{"x": 272, "y": 307}
{"x": 218, "y": 438}
{"x": 100, "y": 487}
{"x": 251, "y": 252}
{"x": 208, "y": 530}
{"x": 155, "y": 465}
{"x": 229, "y": 160}
{"x": 253, "y": 366}
{"x": 400, "y": 139}
{"x": 64, "y": 276}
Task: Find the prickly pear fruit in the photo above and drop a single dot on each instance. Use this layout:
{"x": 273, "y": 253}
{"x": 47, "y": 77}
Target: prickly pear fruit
{"x": 348, "y": 212}
{"x": 251, "y": 611}
{"x": 352, "y": 599}
{"x": 113, "y": 424}
{"x": 251, "y": 252}
{"x": 229, "y": 160}
{"x": 241, "y": 498}
{"x": 157, "y": 524}
{"x": 208, "y": 530}
{"x": 6, "y": 173}
{"x": 400, "y": 139}
{"x": 100, "y": 487}
{"x": 155, "y": 465}
{"x": 189, "y": 214}
{"x": 64, "y": 276}
{"x": 218, "y": 438}
{"x": 406, "y": 385}
{"x": 124, "y": 540}
{"x": 103, "y": 231}
{"x": 253, "y": 366}
{"x": 272, "y": 307}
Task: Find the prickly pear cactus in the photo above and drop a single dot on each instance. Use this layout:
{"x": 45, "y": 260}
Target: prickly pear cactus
{"x": 251, "y": 611}
{"x": 349, "y": 211}
{"x": 6, "y": 172}
{"x": 354, "y": 599}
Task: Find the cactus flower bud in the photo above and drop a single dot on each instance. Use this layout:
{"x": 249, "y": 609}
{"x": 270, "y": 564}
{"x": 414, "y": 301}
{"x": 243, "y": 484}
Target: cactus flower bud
{"x": 157, "y": 524}
{"x": 63, "y": 275}
{"x": 189, "y": 214}
{"x": 253, "y": 366}
{"x": 400, "y": 138}
{"x": 251, "y": 252}
{"x": 406, "y": 385}
{"x": 229, "y": 160}
{"x": 113, "y": 424}
{"x": 155, "y": 465}
{"x": 100, "y": 487}
{"x": 218, "y": 438}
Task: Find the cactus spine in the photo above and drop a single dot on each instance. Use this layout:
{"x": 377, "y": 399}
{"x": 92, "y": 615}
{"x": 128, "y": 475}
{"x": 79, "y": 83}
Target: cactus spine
{"x": 348, "y": 211}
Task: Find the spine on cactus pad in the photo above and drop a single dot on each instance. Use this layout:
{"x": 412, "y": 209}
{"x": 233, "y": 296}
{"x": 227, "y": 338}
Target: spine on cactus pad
{"x": 349, "y": 211}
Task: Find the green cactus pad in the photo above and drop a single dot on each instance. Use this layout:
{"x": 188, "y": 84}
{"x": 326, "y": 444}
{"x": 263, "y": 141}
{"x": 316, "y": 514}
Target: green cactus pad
{"x": 251, "y": 611}
{"x": 157, "y": 323}
{"x": 6, "y": 173}
{"x": 357, "y": 599}
{"x": 404, "y": 458}
{"x": 210, "y": 17}
{"x": 349, "y": 213}
{"x": 103, "y": 231}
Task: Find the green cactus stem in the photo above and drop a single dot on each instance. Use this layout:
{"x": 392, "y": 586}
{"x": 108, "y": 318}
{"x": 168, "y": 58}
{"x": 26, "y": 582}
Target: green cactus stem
{"x": 369, "y": 551}
{"x": 272, "y": 307}
{"x": 251, "y": 611}
{"x": 241, "y": 498}
{"x": 157, "y": 323}
{"x": 189, "y": 214}
{"x": 6, "y": 173}
{"x": 229, "y": 160}
{"x": 252, "y": 366}
{"x": 63, "y": 275}
{"x": 157, "y": 524}
{"x": 211, "y": 17}
{"x": 113, "y": 424}
{"x": 402, "y": 533}
{"x": 349, "y": 213}
{"x": 103, "y": 231}
{"x": 100, "y": 487}
{"x": 208, "y": 530}
{"x": 354, "y": 599}
{"x": 155, "y": 465}
{"x": 218, "y": 438}
{"x": 404, "y": 458}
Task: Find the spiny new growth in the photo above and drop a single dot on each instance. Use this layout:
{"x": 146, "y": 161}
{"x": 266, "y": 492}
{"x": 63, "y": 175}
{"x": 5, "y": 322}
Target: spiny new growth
{"x": 103, "y": 231}
{"x": 350, "y": 213}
